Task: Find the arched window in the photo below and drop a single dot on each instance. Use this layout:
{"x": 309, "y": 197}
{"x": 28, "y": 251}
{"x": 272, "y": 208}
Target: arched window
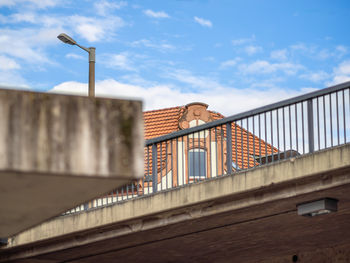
{"x": 197, "y": 164}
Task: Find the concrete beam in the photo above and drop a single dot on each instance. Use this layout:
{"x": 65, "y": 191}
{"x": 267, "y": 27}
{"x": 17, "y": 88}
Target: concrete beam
{"x": 58, "y": 151}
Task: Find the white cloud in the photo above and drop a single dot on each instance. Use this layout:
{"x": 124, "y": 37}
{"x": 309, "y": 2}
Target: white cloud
{"x": 90, "y": 28}
{"x": 3, "y": 19}
{"x": 339, "y": 79}
{"x": 280, "y": 54}
{"x": 162, "y": 46}
{"x": 95, "y": 29}
{"x": 316, "y": 77}
{"x": 311, "y": 51}
{"x": 210, "y": 58}
{"x": 203, "y": 22}
{"x": 28, "y": 44}
{"x": 229, "y": 63}
{"x": 341, "y": 49}
{"x": 105, "y": 7}
{"x": 40, "y": 4}
{"x": 43, "y": 21}
{"x": 241, "y": 41}
{"x": 119, "y": 61}
{"x": 337, "y": 52}
{"x": 227, "y": 101}
{"x": 268, "y": 83}
{"x": 8, "y": 3}
{"x": 265, "y": 67}
{"x": 300, "y": 46}
{"x": 90, "y": 32}
{"x": 343, "y": 68}
{"x": 187, "y": 77}
{"x": 153, "y": 14}
{"x": 23, "y": 17}
{"x": 315, "y": 52}
{"x": 12, "y": 79}
{"x": 324, "y": 54}
{"x": 251, "y": 50}
{"x": 8, "y": 63}
{"x": 75, "y": 56}
{"x": 341, "y": 73}
{"x": 135, "y": 79}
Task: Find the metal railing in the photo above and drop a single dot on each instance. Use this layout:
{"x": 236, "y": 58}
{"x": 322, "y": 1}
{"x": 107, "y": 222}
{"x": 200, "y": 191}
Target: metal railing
{"x": 297, "y": 126}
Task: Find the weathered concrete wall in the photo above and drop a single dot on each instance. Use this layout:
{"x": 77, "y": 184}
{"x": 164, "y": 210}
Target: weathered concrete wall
{"x": 71, "y": 135}
{"x": 242, "y": 188}
{"x": 58, "y": 151}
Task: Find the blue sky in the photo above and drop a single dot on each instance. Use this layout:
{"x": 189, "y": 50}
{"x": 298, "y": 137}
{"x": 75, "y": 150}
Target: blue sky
{"x": 232, "y": 55}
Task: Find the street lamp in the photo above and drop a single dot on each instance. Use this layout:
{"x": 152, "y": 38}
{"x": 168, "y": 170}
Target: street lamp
{"x": 91, "y": 50}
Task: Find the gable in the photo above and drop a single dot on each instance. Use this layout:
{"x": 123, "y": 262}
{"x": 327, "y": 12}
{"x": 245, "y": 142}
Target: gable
{"x": 165, "y": 121}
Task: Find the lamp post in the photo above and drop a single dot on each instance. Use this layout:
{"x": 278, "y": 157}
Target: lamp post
{"x": 91, "y": 50}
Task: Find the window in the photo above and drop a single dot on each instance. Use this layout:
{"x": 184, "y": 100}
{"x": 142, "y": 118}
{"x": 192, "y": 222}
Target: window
{"x": 197, "y": 162}
{"x": 235, "y": 166}
{"x": 195, "y": 123}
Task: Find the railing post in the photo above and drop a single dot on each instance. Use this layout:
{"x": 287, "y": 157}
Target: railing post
{"x": 310, "y": 125}
{"x": 154, "y": 168}
{"x": 229, "y": 147}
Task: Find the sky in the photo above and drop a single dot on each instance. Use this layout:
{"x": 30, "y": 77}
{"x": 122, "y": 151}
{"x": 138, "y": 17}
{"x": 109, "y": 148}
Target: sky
{"x": 233, "y": 55}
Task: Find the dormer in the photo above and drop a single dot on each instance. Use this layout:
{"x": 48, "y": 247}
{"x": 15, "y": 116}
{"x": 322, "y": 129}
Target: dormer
{"x": 195, "y": 114}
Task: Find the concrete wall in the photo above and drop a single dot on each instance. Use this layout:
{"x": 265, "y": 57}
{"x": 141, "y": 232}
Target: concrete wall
{"x": 58, "y": 134}
{"x": 58, "y": 151}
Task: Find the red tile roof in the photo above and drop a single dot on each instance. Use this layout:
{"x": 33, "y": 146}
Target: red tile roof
{"x": 164, "y": 121}
{"x": 161, "y": 122}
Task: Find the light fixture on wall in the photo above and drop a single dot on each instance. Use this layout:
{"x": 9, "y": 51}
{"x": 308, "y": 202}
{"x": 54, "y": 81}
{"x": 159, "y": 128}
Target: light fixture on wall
{"x": 3, "y": 242}
{"x": 318, "y": 207}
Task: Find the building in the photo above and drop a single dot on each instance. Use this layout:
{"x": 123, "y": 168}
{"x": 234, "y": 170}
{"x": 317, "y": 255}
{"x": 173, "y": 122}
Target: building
{"x": 200, "y": 155}
{"x": 190, "y": 158}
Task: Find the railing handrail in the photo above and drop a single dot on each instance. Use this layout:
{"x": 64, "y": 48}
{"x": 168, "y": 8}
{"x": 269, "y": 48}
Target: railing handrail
{"x": 249, "y": 113}
{"x": 301, "y": 125}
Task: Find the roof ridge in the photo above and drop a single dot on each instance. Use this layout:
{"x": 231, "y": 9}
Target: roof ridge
{"x": 163, "y": 109}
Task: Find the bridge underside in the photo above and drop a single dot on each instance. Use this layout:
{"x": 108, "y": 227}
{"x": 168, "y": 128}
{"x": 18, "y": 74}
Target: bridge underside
{"x": 266, "y": 229}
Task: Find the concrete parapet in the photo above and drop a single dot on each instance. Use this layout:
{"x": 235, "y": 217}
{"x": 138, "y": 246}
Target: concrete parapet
{"x": 57, "y": 151}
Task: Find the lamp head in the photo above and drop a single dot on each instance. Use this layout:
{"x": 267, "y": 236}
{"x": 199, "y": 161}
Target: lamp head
{"x": 66, "y": 39}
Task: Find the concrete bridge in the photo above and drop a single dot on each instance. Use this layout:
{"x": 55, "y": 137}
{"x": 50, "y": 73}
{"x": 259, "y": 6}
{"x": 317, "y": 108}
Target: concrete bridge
{"x": 231, "y": 190}
{"x": 249, "y": 217}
